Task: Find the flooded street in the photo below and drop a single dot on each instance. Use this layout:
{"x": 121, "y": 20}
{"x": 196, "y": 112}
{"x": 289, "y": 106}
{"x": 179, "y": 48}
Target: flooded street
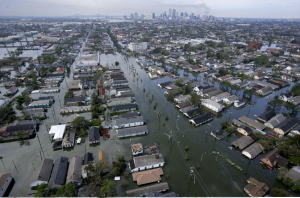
{"x": 214, "y": 178}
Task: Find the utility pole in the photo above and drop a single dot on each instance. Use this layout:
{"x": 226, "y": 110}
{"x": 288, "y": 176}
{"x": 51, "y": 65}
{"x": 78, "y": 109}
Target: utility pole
{"x": 249, "y": 110}
{"x": 3, "y": 162}
{"x": 15, "y": 166}
{"x": 229, "y": 116}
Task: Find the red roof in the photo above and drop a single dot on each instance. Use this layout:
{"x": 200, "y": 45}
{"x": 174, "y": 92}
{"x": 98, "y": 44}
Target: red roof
{"x": 61, "y": 69}
{"x": 101, "y": 91}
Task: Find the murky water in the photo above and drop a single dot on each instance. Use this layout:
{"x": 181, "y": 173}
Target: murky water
{"x": 216, "y": 177}
{"x": 26, "y": 53}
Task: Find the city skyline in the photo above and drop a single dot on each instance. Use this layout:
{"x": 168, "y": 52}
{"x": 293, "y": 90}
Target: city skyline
{"x": 218, "y": 8}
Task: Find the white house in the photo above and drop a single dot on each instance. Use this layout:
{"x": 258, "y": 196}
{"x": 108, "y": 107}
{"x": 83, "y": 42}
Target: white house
{"x": 127, "y": 122}
{"x": 133, "y": 131}
{"x": 5, "y": 180}
{"x": 146, "y": 162}
{"x": 231, "y": 99}
{"x": 160, "y": 70}
{"x": 136, "y": 47}
{"x": 4, "y": 102}
{"x": 152, "y": 75}
{"x": 57, "y": 131}
{"x": 285, "y": 97}
{"x": 220, "y": 97}
{"x": 212, "y": 105}
{"x": 217, "y": 66}
{"x": 182, "y": 98}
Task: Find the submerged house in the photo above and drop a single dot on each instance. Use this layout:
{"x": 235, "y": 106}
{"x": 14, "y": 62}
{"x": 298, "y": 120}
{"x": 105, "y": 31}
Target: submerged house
{"x": 256, "y": 188}
{"x": 74, "y": 171}
{"x": 42, "y": 173}
{"x": 254, "y": 150}
{"x": 273, "y": 159}
{"x": 94, "y": 136}
{"x": 266, "y": 116}
{"x": 59, "y": 172}
{"x": 147, "y": 177}
{"x": 201, "y": 119}
{"x": 242, "y": 142}
{"x": 146, "y": 162}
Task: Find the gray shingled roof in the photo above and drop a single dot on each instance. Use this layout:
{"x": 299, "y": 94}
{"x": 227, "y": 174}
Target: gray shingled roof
{"x": 255, "y": 149}
{"x": 43, "y": 171}
{"x": 74, "y": 171}
{"x": 243, "y": 142}
{"x": 59, "y": 173}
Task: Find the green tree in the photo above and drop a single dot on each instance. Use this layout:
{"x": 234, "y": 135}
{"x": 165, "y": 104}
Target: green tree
{"x": 80, "y": 122}
{"x": 22, "y": 138}
{"x": 108, "y": 188}
{"x": 42, "y": 191}
{"x": 195, "y": 99}
{"x": 224, "y": 124}
{"x": 67, "y": 190}
{"x": 187, "y": 157}
{"x": 49, "y": 59}
{"x": 179, "y": 82}
{"x": 117, "y": 63}
{"x": 186, "y": 148}
{"x": 278, "y": 192}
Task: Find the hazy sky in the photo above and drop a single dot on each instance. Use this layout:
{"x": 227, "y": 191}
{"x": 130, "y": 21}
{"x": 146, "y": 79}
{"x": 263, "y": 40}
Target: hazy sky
{"x": 219, "y": 8}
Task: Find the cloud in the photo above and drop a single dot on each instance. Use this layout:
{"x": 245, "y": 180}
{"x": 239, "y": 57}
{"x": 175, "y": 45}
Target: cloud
{"x": 219, "y": 8}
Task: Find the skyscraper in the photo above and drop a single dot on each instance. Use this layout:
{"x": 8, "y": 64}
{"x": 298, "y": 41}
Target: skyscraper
{"x": 181, "y": 14}
{"x": 153, "y": 15}
{"x": 131, "y": 16}
{"x": 136, "y": 16}
{"x": 170, "y": 12}
{"x": 174, "y": 14}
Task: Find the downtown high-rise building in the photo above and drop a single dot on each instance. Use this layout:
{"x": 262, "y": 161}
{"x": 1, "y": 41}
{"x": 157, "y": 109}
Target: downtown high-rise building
{"x": 174, "y": 14}
{"x": 131, "y": 16}
{"x": 170, "y": 12}
{"x": 136, "y": 16}
{"x": 153, "y": 15}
